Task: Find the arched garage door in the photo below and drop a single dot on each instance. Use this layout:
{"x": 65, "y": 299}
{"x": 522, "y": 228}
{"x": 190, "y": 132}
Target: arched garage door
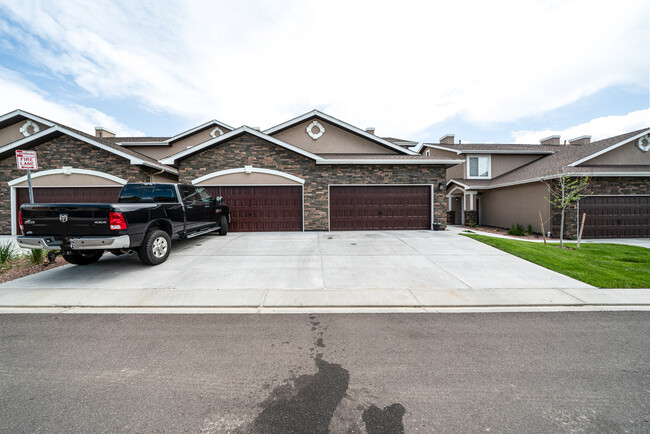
{"x": 261, "y": 208}
{"x": 386, "y": 207}
{"x": 65, "y": 195}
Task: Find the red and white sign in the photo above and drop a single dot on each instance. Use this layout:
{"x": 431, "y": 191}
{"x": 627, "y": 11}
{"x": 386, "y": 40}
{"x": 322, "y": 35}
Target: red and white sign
{"x": 26, "y": 160}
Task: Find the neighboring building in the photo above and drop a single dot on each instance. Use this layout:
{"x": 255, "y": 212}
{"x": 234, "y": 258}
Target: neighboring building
{"x": 73, "y": 166}
{"x": 314, "y": 172}
{"x": 505, "y": 184}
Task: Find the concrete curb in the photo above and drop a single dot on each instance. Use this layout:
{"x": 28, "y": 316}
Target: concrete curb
{"x": 280, "y": 301}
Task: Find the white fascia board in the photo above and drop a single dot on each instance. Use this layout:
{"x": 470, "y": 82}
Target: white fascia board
{"x": 362, "y": 161}
{"x": 195, "y": 129}
{"x": 143, "y": 143}
{"x": 456, "y": 151}
{"x": 132, "y": 158}
{"x": 456, "y": 182}
{"x": 19, "y": 112}
{"x": 546, "y": 178}
{"x": 341, "y": 124}
{"x": 468, "y": 151}
{"x": 195, "y": 149}
{"x": 617, "y": 145}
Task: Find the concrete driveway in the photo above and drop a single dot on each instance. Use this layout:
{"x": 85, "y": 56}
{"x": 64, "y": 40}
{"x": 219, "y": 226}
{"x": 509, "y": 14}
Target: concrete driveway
{"x": 301, "y": 269}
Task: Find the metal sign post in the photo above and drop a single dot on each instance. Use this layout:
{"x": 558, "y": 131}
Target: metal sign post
{"x": 27, "y": 160}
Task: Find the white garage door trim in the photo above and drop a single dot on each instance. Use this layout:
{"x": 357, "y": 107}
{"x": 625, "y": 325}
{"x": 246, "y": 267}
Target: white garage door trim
{"x": 247, "y": 169}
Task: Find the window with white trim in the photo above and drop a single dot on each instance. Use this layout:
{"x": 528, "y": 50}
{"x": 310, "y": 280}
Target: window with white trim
{"x": 427, "y": 153}
{"x": 478, "y": 166}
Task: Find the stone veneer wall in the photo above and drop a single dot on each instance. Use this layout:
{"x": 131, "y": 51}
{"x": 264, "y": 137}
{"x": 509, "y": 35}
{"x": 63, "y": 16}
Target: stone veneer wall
{"x": 65, "y": 151}
{"x": 251, "y": 150}
{"x": 598, "y": 186}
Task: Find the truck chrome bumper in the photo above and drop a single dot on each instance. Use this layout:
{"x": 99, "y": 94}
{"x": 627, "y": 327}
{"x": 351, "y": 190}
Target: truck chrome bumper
{"x": 80, "y": 243}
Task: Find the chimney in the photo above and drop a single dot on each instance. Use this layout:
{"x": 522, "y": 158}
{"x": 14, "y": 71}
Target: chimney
{"x": 447, "y": 139}
{"x": 103, "y": 132}
{"x": 550, "y": 140}
{"x": 582, "y": 140}
{"x": 370, "y": 130}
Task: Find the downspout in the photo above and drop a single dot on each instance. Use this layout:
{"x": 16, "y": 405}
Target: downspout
{"x": 154, "y": 174}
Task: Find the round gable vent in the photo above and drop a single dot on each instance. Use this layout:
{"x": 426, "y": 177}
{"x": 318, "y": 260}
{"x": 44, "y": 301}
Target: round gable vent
{"x": 27, "y": 125}
{"x": 315, "y": 125}
{"x": 644, "y": 143}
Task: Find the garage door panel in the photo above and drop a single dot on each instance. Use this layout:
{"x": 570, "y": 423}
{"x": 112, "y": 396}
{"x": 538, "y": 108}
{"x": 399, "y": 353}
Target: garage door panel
{"x": 616, "y": 216}
{"x": 262, "y": 208}
{"x": 380, "y": 207}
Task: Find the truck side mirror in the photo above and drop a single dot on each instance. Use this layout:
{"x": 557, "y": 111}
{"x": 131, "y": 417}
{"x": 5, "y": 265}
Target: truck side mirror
{"x": 218, "y": 199}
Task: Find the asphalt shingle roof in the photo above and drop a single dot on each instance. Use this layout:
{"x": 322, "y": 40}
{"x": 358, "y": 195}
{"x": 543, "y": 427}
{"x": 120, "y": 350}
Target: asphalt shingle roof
{"x": 558, "y": 162}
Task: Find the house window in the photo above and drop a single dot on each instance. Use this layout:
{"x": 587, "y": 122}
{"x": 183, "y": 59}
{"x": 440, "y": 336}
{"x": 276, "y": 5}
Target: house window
{"x": 427, "y": 153}
{"x": 478, "y": 166}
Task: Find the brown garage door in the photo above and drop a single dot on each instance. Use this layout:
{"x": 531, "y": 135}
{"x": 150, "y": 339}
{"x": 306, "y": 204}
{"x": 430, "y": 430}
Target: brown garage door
{"x": 355, "y": 208}
{"x": 66, "y": 195}
{"x": 262, "y": 208}
{"x": 616, "y": 216}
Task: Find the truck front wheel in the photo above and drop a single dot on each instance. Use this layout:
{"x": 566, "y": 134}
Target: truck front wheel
{"x": 83, "y": 257}
{"x": 223, "y": 225}
{"x": 155, "y": 247}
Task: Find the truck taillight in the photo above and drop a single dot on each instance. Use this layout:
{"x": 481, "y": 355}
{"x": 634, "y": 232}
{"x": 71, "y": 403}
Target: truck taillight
{"x": 20, "y": 221}
{"x": 116, "y": 221}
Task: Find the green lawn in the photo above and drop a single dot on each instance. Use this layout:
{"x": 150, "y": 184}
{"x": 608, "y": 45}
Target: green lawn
{"x": 601, "y": 265}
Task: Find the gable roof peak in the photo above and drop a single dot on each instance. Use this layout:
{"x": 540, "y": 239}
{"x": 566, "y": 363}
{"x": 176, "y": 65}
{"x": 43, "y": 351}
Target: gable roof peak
{"x": 341, "y": 124}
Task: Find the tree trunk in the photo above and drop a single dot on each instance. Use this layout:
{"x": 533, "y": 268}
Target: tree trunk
{"x": 562, "y": 219}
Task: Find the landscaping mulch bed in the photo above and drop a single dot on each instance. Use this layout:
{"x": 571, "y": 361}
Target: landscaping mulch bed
{"x": 21, "y": 267}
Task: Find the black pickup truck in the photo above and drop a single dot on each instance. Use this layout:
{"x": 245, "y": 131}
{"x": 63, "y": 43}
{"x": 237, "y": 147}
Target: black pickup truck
{"x": 145, "y": 219}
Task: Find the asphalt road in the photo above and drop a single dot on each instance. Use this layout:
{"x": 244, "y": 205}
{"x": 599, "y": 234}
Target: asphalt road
{"x": 500, "y": 372}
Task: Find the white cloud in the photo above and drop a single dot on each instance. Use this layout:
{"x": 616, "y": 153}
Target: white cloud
{"x": 599, "y": 128}
{"x": 397, "y": 66}
{"x": 31, "y": 99}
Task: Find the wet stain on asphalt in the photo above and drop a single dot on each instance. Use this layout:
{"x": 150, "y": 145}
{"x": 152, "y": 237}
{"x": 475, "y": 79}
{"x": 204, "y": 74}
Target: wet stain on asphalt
{"x": 307, "y": 409}
{"x": 307, "y": 403}
{"x": 386, "y": 421}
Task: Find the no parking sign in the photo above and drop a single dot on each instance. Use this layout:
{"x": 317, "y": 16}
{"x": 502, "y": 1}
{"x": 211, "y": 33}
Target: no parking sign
{"x": 27, "y": 160}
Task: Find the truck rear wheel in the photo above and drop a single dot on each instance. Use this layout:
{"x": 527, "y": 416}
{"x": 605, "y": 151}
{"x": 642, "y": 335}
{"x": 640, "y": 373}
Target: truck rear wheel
{"x": 83, "y": 257}
{"x": 223, "y": 223}
{"x": 155, "y": 247}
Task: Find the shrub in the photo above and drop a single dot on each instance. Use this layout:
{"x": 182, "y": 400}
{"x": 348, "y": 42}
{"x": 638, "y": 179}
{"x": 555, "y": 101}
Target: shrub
{"x": 36, "y": 256}
{"x": 516, "y": 229}
{"x": 7, "y": 252}
{"x": 529, "y": 230}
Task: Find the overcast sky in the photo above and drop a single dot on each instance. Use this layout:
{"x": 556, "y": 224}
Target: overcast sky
{"x": 487, "y": 71}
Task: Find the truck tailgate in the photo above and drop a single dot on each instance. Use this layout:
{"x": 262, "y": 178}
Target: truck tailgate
{"x": 77, "y": 219}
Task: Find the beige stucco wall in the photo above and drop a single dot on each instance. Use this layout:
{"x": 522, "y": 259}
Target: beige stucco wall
{"x": 12, "y": 133}
{"x": 518, "y": 204}
{"x": 503, "y": 163}
{"x": 75, "y": 179}
{"x": 248, "y": 179}
{"x": 457, "y": 171}
{"x": 626, "y": 154}
{"x": 334, "y": 141}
